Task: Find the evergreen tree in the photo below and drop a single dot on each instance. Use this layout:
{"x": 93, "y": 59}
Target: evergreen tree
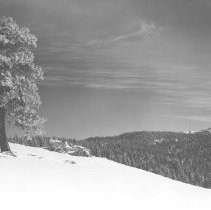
{"x": 19, "y": 98}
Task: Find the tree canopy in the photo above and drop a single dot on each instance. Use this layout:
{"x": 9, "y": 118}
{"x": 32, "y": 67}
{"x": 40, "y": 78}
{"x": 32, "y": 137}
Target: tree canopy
{"x": 19, "y": 73}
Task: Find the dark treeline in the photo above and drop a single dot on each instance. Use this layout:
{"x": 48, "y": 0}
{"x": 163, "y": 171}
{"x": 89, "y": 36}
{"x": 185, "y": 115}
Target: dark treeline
{"x": 179, "y": 156}
{"x": 185, "y": 157}
{"x": 40, "y": 141}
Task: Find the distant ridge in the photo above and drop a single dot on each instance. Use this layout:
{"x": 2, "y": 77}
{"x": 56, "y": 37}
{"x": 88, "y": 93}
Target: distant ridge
{"x": 208, "y": 130}
{"x": 183, "y": 156}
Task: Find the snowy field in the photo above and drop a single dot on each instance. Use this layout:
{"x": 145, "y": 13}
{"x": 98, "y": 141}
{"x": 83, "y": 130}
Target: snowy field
{"x": 40, "y": 179}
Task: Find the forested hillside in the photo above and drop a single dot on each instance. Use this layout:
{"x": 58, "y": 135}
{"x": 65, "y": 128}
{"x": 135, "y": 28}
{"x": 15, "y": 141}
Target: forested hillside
{"x": 184, "y": 157}
{"x": 180, "y": 156}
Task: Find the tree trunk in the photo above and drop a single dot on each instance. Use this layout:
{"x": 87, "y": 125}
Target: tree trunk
{"x": 4, "y": 146}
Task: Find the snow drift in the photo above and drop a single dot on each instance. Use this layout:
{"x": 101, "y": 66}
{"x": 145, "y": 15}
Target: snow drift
{"x": 40, "y": 179}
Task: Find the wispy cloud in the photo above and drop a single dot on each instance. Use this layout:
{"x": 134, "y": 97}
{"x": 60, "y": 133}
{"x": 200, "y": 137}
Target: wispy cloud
{"x": 142, "y": 29}
{"x": 192, "y": 117}
{"x": 173, "y": 85}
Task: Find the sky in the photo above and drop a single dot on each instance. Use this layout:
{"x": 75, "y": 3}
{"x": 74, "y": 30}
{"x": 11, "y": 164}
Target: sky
{"x": 113, "y": 66}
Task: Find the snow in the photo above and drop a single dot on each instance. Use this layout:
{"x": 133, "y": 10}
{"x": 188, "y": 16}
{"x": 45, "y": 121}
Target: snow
{"x": 189, "y": 132}
{"x": 55, "y": 141}
{"x": 40, "y": 179}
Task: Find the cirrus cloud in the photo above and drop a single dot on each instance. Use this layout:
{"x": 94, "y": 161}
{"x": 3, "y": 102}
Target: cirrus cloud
{"x": 141, "y": 29}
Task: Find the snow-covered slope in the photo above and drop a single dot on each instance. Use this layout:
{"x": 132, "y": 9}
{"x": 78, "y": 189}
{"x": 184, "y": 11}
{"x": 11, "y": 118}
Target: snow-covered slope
{"x": 40, "y": 179}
